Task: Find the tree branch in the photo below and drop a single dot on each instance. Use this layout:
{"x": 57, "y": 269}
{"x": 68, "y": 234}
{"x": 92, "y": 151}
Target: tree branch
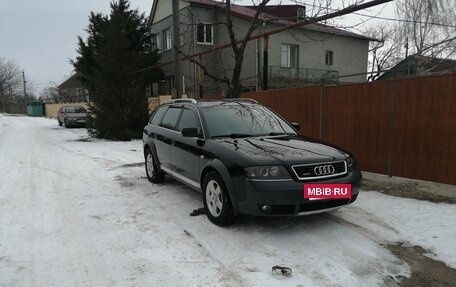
{"x": 206, "y": 73}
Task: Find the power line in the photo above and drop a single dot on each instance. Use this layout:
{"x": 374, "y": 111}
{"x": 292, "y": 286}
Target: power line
{"x": 388, "y": 18}
{"x": 407, "y": 21}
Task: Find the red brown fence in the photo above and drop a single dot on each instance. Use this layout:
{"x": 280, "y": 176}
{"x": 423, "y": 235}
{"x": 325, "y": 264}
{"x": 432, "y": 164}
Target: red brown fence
{"x": 403, "y": 128}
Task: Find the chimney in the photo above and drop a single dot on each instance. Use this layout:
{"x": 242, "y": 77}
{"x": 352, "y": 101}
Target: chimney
{"x": 301, "y": 13}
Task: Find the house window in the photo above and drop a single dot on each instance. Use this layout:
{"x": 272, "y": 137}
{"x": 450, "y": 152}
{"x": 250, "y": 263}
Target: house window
{"x": 204, "y": 34}
{"x": 329, "y": 58}
{"x": 155, "y": 39}
{"x": 167, "y": 40}
{"x": 289, "y": 56}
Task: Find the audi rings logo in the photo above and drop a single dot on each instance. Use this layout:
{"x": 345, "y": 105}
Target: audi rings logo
{"x": 324, "y": 170}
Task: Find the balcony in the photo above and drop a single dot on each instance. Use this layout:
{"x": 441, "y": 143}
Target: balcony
{"x": 286, "y": 77}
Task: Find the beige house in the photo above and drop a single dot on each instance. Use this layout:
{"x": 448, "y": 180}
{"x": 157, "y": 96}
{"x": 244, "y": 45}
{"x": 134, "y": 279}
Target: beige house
{"x": 297, "y": 57}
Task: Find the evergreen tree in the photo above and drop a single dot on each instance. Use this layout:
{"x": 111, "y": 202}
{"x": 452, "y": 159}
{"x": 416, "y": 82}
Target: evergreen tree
{"x": 117, "y": 46}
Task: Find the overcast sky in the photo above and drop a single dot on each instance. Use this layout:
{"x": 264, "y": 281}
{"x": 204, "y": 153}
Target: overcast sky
{"x": 41, "y": 35}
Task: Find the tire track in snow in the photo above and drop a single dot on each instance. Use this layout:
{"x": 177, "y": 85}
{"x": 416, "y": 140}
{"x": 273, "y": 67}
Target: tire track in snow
{"x": 228, "y": 275}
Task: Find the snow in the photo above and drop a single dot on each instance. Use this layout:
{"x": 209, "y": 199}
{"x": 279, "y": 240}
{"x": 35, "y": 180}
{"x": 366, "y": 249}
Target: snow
{"x": 426, "y": 224}
{"x": 79, "y": 212}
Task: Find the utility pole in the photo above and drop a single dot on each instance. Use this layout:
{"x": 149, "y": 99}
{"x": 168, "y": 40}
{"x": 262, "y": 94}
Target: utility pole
{"x": 176, "y": 41}
{"x": 265, "y": 62}
{"x": 25, "y": 89}
{"x": 406, "y": 47}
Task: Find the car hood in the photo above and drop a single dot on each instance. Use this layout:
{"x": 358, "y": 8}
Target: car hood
{"x": 284, "y": 150}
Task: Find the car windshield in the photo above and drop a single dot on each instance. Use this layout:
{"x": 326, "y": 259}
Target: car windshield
{"x": 243, "y": 120}
{"x": 73, "y": 110}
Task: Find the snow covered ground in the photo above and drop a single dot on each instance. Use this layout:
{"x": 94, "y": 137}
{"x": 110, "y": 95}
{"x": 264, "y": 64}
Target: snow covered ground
{"x": 79, "y": 212}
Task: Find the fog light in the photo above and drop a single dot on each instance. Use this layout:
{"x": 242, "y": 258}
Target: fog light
{"x": 265, "y": 207}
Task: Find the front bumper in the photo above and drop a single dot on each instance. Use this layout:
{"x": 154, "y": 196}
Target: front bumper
{"x": 287, "y": 197}
{"x": 76, "y": 122}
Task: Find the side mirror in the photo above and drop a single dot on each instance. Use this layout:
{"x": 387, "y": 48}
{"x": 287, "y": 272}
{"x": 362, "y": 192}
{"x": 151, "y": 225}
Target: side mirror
{"x": 296, "y": 126}
{"x": 190, "y": 132}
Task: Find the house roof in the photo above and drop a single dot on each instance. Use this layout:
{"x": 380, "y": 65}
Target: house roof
{"x": 72, "y": 82}
{"x": 285, "y": 12}
{"x": 279, "y": 14}
{"x": 416, "y": 65}
{"x": 237, "y": 10}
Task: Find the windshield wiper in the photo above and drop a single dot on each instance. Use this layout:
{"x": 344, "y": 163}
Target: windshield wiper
{"x": 233, "y": 136}
{"x": 277, "y": 134}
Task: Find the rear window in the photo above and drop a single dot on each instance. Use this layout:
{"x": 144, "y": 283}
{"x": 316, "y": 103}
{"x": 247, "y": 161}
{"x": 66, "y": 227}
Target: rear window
{"x": 74, "y": 110}
{"x": 170, "y": 118}
{"x": 157, "y": 117}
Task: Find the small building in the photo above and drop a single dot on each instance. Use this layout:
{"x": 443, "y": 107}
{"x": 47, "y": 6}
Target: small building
{"x": 416, "y": 65}
{"x": 35, "y": 108}
{"x": 72, "y": 90}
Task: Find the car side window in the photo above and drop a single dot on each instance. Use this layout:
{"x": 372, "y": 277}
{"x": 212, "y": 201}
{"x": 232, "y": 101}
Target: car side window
{"x": 170, "y": 118}
{"x": 188, "y": 120}
{"x": 158, "y": 116}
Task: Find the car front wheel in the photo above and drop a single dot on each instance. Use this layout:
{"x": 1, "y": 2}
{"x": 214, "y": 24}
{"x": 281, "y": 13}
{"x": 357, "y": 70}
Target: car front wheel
{"x": 216, "y": 200}
{"x": 153, "y": 174}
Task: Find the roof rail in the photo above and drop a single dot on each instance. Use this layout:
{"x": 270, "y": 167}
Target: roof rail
{"x": 176, "y": 101}
{"x": 247, "y": 100}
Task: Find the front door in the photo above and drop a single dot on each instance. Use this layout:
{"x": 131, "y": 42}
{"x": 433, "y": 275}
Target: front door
{"x": 185, "y": 152}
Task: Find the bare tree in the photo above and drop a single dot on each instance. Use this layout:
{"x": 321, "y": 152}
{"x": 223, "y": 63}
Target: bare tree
{"x": 385, "y": 53}
{"x": 235, "y": 87}
{"x": 10, "y": 81}
{"x": 318, "y": 7}
{"x": 427, "y": 26}
{"x": 50, "y": 94}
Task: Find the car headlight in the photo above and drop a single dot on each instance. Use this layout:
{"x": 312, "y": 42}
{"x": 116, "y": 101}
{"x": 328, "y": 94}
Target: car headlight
{"x": 267, "y": 172}
{"x": 350, "y": 161}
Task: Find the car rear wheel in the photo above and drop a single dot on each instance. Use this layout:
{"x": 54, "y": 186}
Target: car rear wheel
{"x": 216, "y": 200}
{"x": 153, "y": 174}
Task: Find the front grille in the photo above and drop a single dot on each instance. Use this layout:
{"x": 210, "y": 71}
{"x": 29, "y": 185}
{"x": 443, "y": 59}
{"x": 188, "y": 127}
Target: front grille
{"x": 320, "y": 170}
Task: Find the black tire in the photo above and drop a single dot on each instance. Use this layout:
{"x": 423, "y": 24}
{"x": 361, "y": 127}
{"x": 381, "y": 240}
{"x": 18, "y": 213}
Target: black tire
{"x": 219, "y": 216}
{"x": 155, "y": 175}
{"x": 60, "y": 123}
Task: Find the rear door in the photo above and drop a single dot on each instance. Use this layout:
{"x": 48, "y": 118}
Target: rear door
{"x": 164, "y": 135}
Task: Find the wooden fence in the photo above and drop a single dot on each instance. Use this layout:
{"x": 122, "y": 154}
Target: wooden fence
{"x": 403, "y": 127}
{"x": 51, "y": 110}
